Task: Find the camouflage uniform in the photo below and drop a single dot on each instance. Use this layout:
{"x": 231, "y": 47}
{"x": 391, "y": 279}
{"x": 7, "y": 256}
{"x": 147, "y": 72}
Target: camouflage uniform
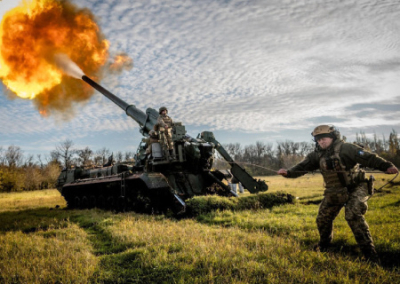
{"x": 153, "y": 138}
{"x": 165, "y": 120}
{"x": 345, "y": 185}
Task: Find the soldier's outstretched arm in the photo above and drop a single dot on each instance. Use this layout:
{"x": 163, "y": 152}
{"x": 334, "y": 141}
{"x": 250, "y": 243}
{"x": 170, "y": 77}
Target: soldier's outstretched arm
{"x": 309, "y": 164}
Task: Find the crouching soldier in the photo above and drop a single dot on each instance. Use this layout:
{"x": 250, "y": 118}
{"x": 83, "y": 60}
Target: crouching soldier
{"x": 345, "y": 185}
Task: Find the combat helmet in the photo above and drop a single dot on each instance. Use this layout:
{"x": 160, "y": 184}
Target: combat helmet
{"x": 162, "y": 109}
{"x": 322, "y": 131}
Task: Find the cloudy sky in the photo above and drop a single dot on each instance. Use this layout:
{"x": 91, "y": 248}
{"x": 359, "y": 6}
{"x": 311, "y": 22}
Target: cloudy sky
{"x": 267, "y": 70}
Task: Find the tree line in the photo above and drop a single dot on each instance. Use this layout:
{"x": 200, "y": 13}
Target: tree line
{"x": 264, "y": 159}
{"x": 18, "y": 172}
{"x": 67, "y": 155}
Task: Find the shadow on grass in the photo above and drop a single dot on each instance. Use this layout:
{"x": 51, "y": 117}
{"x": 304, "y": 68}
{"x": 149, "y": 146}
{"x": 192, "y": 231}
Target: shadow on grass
{"x": 118, "y": 261}
{"x": 102, "y": 241}
{"x": 43, "y": 219}
{"x": 389, "y": 259}
{"x": 114, "y": 260}
{"x": 128, "y": 267}
{"x": 394, "y": 204}
{"x": 312, "y": 202}
{"x": 32, "y": 220}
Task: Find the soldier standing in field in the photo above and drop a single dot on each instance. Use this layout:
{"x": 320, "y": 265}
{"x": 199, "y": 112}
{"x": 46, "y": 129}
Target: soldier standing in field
{"x": 345, "y": 185}
{"x": 166, "y": 122}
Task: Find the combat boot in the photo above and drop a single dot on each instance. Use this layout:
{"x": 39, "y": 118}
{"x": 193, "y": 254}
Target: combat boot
{"x": 371, "y": 255}
{"x": 171, "y": 155}
{"x": 321, "y": 247}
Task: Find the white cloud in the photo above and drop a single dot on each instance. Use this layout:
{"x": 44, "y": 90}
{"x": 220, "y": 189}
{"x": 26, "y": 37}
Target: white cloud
{"x": 245, "y": 66}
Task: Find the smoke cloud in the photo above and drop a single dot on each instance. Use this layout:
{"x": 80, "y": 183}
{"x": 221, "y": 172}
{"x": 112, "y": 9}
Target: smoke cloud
{"x": 120, "y": 63}
{"x": 42, "y": 44}
{"x": 68, "y": 66}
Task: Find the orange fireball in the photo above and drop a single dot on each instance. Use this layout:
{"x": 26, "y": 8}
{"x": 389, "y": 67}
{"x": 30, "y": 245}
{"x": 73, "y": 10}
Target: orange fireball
{"x": 32, "y": 35}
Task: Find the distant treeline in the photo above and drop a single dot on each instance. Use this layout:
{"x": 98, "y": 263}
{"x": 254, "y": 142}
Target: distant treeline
{"x": 18, "y": 172}
{"x": 261, "y": 159}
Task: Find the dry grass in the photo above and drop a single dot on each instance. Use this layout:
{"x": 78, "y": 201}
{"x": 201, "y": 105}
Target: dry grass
{"x": 40, "y": 244}
{"x": 57, "y": 255}
{"x": 17, "y": 201}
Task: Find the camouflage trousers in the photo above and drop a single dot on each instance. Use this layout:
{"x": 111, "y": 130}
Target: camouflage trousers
{"x": 355, "y": 204}
{"x": 167, "y": 133}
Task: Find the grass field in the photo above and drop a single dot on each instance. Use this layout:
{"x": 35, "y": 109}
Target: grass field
{"x": 40, "y": 243}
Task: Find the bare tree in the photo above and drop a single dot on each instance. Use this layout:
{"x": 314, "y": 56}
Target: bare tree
{"x": 290, "y": 153}
{"x": 29, "y": 162}
{"x": 54, "y": 157}
{"x": 63, "y": 153}
{"x": 269, "y": 158}
{"x": 2, "y": 158}
{"x": 50, "y": 174}
{"x": 261, "y": 148}
{"x": 393, "y": 143}
{"x": 14, "y": 156}
{"x": 85, "y": 157}
{"x": 129, "y": 156}
{"x": 234, "y": 150}
{"x": 305, "y": 148}
{"x": 119, "y": 157}
{"x": 250, "y": 153}
{"x": 33, "y": 178}
{"x": 101, "y": 156}
{"x": 39, "y": 157}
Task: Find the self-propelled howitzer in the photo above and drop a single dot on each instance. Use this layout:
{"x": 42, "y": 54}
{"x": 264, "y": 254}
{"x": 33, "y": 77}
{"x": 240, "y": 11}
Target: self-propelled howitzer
{"x": 158, "y": 181}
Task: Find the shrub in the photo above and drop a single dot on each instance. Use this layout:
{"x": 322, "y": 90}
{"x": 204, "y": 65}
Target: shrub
{"x": 204, "y": 204}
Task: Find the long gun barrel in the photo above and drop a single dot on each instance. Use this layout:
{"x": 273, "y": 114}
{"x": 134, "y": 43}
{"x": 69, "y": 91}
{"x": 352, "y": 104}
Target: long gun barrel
{"x": 145, "y": 120}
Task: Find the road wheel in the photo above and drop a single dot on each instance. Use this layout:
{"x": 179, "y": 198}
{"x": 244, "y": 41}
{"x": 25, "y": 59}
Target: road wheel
{"x": 85, "y": 202}
{"x": 77, "y": 202}
{"x": 110, "y": 204}
{"x": 70, "y": 202}
{"x": 141, "y": 203}
{"x": 92, "y": 201}
{"x": 121, "y": 204}
{"x": 101, "y": 202}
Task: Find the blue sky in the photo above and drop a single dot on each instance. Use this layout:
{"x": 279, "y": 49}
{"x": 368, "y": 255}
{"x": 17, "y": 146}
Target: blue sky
{"x": 247, "y": 70}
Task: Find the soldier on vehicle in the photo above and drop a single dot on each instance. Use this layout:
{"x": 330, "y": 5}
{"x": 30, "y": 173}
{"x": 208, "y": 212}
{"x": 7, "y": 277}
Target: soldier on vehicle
{"x": 166, "y": 122}
{"x": 345, "y": 185}
{"x": 153, "y": 138}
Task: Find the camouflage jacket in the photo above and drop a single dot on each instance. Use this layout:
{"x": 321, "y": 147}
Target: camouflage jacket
{"x": 350, "y": 155}
{"x": 164, "y": 120}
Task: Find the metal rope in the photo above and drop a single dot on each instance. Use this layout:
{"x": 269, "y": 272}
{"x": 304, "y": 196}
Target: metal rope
{"x": 271, "y": 170}
{"x": 275, "y": 171}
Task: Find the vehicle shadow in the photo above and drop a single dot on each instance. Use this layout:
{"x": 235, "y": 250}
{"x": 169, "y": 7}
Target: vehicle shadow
{"x": 32, "y": 220}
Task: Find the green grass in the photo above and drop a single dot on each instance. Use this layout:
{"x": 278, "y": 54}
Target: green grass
{"x": 199, "y": 205}
{"x": 251, "y": 242}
